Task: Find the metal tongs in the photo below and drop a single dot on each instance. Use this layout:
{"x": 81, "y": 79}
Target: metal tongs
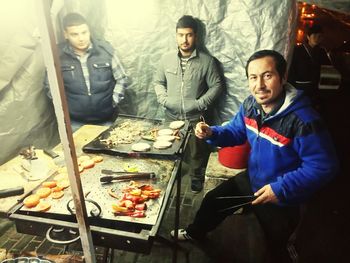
{"x": 251, "y": 198}
{"x": 125, "y": 176}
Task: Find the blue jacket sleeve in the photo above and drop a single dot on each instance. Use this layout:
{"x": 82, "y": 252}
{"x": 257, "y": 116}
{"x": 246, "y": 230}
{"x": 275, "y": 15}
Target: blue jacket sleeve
{"x": 231, "y": 134}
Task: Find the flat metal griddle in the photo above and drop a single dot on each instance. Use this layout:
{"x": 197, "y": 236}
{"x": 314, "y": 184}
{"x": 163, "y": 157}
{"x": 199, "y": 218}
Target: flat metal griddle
{"x": 98, "y": 192}
{"x": 96, "y": 146}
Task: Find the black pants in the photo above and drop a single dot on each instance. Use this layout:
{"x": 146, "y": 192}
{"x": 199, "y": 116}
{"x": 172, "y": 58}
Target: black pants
{"x": 277, "y": 222}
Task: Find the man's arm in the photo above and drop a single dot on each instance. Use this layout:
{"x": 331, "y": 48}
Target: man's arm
{"x": 122, "y": 80}
{"x": 160, "y": 84}
{"x": 318, "y": 166}
{"x": 215, "y": 86}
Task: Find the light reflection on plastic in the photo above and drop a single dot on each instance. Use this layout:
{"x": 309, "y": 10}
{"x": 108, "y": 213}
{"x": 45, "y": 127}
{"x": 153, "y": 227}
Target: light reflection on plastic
{"x": 132, "y": 13}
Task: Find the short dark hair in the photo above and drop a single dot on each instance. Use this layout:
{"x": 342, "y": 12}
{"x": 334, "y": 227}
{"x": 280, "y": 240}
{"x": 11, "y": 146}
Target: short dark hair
{"x": 73, "y": 19}
{"x": 315, "y": 29}
{"x": 280, "y": 62}
{"x": 187, "y": 22}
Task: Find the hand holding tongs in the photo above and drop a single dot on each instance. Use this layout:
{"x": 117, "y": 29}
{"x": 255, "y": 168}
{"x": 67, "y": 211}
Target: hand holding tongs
{"x": 251, "y": 198}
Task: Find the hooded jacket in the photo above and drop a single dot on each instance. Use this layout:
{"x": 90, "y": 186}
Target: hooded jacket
{"x": 290, "y": 150}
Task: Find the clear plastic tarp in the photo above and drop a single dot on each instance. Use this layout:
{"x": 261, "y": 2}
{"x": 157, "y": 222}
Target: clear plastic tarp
{"x": 140, "y": 31}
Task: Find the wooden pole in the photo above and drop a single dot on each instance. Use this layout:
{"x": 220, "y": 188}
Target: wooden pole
{"x": 52, "y": 62}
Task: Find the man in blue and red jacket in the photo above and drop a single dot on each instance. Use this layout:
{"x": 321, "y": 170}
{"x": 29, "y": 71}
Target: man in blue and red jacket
{"x": 291, "y": 156}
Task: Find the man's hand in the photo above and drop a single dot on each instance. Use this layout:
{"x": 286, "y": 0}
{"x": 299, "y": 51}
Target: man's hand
{"x": 265, "y": 195}
{"x": 203, "y": 130}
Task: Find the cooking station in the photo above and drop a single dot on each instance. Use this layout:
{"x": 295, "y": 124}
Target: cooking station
{"x": 108, "y": 229}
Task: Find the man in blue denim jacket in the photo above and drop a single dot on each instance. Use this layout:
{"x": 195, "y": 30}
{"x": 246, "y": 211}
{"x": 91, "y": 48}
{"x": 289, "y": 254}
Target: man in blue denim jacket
{"x": 94, "y": 80}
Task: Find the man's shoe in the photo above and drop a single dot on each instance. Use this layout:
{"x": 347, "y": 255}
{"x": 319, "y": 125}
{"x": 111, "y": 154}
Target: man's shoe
{"x": 182, "y": 235}
{"x": 196, "y": 186}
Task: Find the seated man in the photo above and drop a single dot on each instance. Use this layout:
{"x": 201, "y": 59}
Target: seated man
{"x": 291, "y": 156}
{"x": 94, "y": 80}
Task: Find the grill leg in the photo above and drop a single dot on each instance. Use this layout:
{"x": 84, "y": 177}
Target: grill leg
{"x": 108, "y": 255}
{"x": 175, "y": 246}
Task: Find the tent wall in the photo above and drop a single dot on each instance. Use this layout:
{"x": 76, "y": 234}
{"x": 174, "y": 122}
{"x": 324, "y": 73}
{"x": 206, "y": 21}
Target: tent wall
{"x": 141, "y": 31}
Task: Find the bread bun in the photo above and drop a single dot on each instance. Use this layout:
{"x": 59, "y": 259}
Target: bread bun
{"x": 43, "y": 192}
{"x": 42, "y": 206}
{"x": 57, "y": 195}
{"x": 49, "y": 184}
{"x": 31, "y": 200}
{"x": 165, "y": 132}
{"x": 140, "y": 147}
{"x": 176, "y": 125}
{"x": 162, "y": 144}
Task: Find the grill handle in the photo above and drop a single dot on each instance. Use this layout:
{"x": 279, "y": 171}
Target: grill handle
{"x": 60, "y": 242}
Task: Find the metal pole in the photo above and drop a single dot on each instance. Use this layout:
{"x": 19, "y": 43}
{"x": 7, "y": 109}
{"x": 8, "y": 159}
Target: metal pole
{"x": 53, "y": 66}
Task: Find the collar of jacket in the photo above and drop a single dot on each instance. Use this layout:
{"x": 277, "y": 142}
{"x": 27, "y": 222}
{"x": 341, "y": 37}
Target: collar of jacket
{"x": 193, "y": 54}
{"x": 291, "y": 94}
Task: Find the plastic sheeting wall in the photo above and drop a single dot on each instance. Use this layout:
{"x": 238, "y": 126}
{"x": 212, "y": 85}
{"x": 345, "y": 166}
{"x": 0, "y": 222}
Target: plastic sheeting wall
{"x": 141, "y": 31}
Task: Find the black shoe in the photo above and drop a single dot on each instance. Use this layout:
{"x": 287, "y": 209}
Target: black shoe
{"x": 196, "y": 186}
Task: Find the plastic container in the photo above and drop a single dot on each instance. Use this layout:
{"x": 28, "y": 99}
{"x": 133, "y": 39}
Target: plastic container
{"x": 235, "y": 157}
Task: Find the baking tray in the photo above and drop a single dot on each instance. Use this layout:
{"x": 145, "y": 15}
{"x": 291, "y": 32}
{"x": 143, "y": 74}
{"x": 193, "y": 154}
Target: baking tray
{"x": 98, "y": 146}
{"x": 98, "y": 192}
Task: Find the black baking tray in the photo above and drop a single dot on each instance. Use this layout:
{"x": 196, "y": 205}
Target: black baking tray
{"x": 124, "y": 150}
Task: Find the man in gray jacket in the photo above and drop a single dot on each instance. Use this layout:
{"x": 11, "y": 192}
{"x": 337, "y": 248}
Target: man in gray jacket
{"x": 187, "y": 83}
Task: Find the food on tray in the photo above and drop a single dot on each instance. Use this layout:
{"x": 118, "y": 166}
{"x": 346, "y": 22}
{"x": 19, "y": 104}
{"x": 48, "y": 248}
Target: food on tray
{"x": 148, "y": 137}
{"x": 140, "y": 147}
{"x": 97, "y": 159}
{"x": 43, "y": 192}
{"x": 49, "y": 184}
{"x": 168, "y": 138}
{"x": 112, "y": 193}
{"x": 57, "y": 195}
{"x": 162, "y": 144}
{"x": 61, "y": 176}
{"x": 42, "y": 206}
{"x": 63, "y": 184}
{"x": 87, "y": 164}
{"x": 176, "y": 125}
{"x": 133, "y": 201}
{"x": 31, "y": 201}
{"x": 83, "y": 158}
{"x": 57, "y": 189}
{"x": 165, "y": 132}
{"x": 125, "y": 133}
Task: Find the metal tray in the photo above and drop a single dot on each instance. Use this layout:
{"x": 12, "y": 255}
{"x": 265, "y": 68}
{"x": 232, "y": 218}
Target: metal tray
{"x": 98, "y": 193}
{"x": 97, "y": 146}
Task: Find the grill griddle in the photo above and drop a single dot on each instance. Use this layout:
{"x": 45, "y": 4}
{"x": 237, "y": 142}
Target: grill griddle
{"x": 98, "y": 192}
{"x": 96, "y": 146}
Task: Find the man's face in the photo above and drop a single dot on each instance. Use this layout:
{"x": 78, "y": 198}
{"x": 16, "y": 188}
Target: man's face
{"x": 265, "y": 84}
{"x": 186, "y": 40}
{"x": 78, "y": 37}
{"x": 315, "y": 39}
